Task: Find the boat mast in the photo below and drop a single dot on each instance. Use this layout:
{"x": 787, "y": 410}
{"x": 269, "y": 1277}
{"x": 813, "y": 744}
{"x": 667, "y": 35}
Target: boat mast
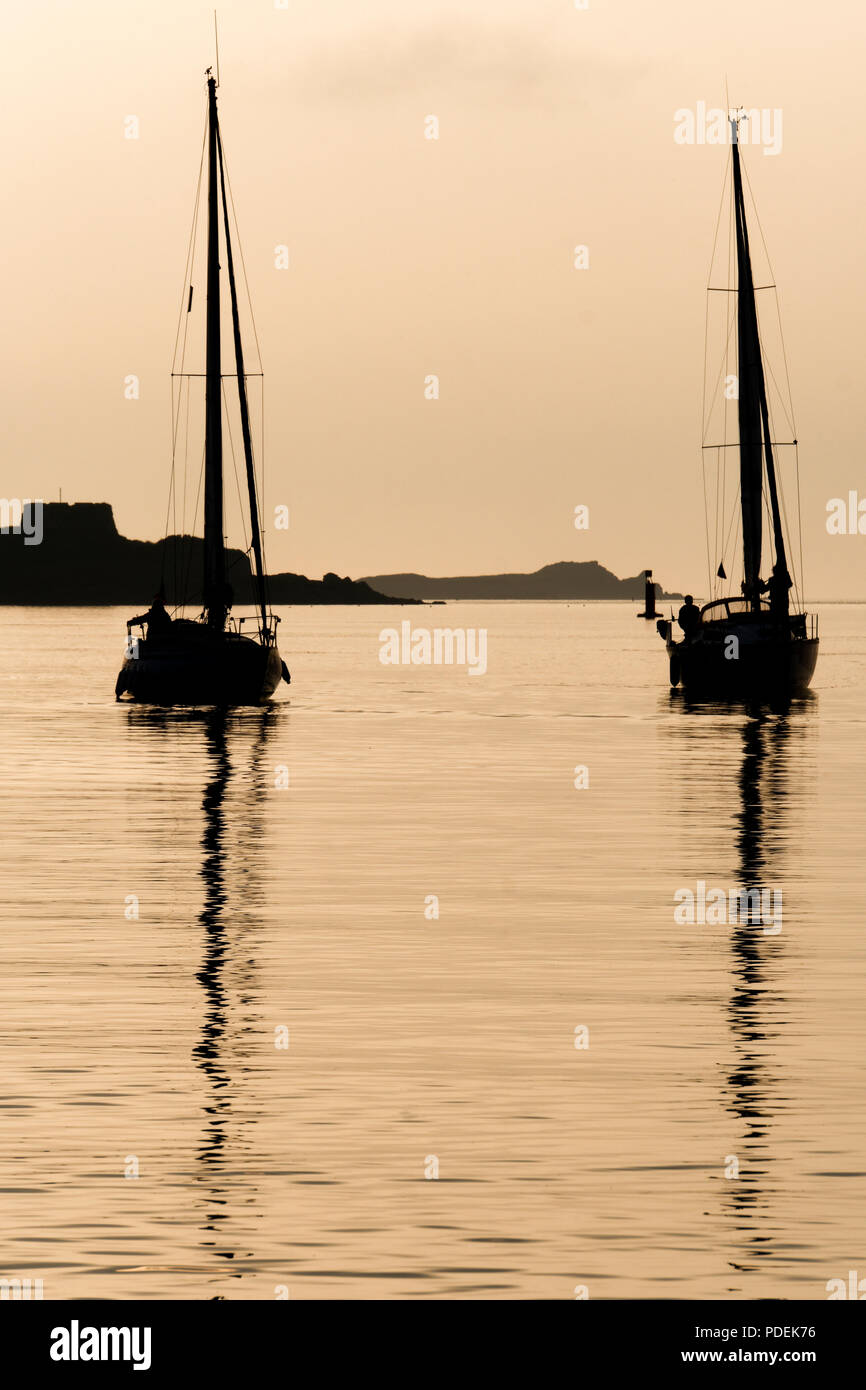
{"x": 214, "y": 549}
{"x": 261, "y": 590}
{"x": 754, "y": 425}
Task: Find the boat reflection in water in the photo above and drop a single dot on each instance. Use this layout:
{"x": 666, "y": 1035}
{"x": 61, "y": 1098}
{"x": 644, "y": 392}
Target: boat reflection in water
{"x": 754, "y": 1084}
{"x": 232, "y": 855}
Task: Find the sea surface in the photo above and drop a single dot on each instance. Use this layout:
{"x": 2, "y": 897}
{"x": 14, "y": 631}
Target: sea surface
{"x": 359, "y": 995}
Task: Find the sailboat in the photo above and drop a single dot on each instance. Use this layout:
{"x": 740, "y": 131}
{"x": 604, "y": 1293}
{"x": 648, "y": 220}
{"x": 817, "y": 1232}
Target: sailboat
{"x": 210, "y": 660}
{"x": 748, "y": 644}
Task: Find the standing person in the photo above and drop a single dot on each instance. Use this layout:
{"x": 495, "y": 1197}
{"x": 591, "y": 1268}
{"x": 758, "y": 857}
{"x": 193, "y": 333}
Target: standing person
{"x": 689, "y": 617}
{"x": 778, "y": 585}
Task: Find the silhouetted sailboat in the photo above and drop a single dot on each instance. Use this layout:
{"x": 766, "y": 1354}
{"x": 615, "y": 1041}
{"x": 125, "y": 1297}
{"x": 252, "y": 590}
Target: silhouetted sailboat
{"x": 748, "y": 644}
{"x": 209, "y": 660}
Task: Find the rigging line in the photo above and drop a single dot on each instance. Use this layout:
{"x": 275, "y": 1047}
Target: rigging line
{"x": 722, "y": 371}
{"x": 171, "y": 510}
{"x": 731, "y": 339}
{"x": 192, "y": 526}
{"x": 175, "y": 416}
{"x": 174, "y": 408}
{"x": 796, "y": 586}
{"x": 787, "y": 403}
{"x": 719, "y": 583}
{"x": 184, "y": 318}
{"x": 165, "y": 528}
{"x": 719, "y": 218}
{"x": 185, "y": 462}
{"x": 790, "y": 397}
{"x": 704, "y": 421}
{"x": 234, "y": 465}
{"x": 707, "y": 525}
{"x": 788, "y": 414}
{"x": 174, "y": 524}
{"x": 704, "y": 418}
{"x": 703, "y": 460}
{"x": 786, "y": 530}
{"x": 184, "y": 343}
{"x": 797, "y": 452}
{"x": 800, "y": 520}
{"x": 170, "y": 480}
{"x": 262, "y": 469}
{"x": 732, "y": 523}
{"x": 758, "y": 219}
{"x": 190, "y": 246}
{"x": 240, "y": 246}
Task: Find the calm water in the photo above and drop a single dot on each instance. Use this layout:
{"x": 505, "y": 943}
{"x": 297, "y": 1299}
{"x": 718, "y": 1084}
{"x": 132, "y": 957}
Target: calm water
{"x": 149, "y": 1041}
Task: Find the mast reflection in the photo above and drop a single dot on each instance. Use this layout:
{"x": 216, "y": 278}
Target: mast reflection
{"x": 238, "y": 831}
{"x": 755, "y": 1010}
{"x": 214, "y": 935}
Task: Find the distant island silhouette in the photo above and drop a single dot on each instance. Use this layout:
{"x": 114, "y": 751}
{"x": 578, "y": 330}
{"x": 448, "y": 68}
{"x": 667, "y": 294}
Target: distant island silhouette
{"x": 569, "y": 579}
{"x": 83, "y": 559}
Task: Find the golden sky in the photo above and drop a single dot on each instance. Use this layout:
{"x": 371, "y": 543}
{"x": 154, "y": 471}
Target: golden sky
{"x": 454, "y": 257}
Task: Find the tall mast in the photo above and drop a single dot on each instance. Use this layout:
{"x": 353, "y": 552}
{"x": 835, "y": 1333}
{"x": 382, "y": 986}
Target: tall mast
{"x": 261, "y": 592}
{"x": 755, "y": 445}
{"x": 214, "y": 550}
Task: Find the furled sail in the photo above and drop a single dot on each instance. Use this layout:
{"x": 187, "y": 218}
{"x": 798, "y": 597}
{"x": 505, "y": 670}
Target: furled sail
{"x": 754, "y": 423}
{"x": 750, "y": 375}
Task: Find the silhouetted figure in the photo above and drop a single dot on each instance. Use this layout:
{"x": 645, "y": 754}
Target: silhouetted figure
{"x": 778, "y": 585}
{"x": 689, "y": 617}
{"x": 156, "y": 617}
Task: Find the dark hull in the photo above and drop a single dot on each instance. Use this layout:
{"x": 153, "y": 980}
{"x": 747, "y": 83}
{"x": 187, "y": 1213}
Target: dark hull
{"x": 191, "y": 665}
{"x": 774, "y": 664}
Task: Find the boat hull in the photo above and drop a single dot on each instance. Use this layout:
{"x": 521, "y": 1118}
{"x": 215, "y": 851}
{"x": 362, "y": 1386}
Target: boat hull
{"x": 768, "y": 662}
{"x": 192, "y": 665}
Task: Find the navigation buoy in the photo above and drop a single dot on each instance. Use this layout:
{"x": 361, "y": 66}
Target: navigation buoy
{"x": 649, "y": 596}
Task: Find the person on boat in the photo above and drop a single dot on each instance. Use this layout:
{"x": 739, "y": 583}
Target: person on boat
{"x": 778, "y": 585}
{"x": 689, "y": 617}
{"x": 156, "y": 617}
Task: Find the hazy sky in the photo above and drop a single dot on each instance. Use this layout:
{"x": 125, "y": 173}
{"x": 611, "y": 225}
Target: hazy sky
{"x": 454, "y": 257}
